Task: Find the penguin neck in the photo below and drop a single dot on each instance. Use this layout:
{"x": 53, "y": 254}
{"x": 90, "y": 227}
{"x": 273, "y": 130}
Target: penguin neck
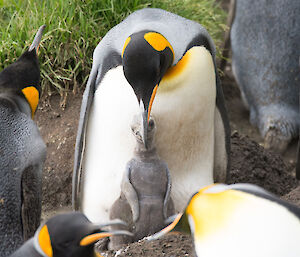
{"x": 19, "y": 102}
{"x": 140, "y": 152}
{"x": 27, "y": 249}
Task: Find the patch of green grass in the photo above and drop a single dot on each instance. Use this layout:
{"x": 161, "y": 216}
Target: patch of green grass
{"x": 75, "y": 27}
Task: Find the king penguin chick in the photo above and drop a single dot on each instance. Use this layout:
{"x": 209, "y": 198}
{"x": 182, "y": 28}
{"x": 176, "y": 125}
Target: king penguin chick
{"x": 159, "y": 63}
{"x": 66, "y": 235}
{"x": 145, "y": 201}
{"x": 22, "y": 150}
{"x": 239, "y": 220}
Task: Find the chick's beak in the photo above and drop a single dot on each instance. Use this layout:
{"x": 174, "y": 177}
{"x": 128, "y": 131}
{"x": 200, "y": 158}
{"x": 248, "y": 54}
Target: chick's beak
{"x": 144, "y": 124}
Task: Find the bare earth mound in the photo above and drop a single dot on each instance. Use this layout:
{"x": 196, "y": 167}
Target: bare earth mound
{"x": 251, "y": 163}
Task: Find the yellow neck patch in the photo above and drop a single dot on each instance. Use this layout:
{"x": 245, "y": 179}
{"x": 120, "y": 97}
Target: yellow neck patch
{"x": 212, "y": 211}
{"x": 45, "y": 242}
{"x": 32, "y": 96}
{"x": 178, "y": 68}
{"x": 158, "y": 41}
{"x": 125, "y": 45}
{"x": 196, "y": 60}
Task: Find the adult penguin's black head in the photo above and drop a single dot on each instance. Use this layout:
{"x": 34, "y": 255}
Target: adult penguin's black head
{"x": 22, "y": 77}
{"x": 146, "y": 57}
{"x": 71, "y": 235}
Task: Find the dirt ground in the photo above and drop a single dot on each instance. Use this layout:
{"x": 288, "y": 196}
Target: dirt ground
{"x": 250, "y": 162}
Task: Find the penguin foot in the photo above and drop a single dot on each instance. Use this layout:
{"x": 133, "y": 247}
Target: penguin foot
{"x": 274, "y": 140}
{"x": 278, "y": 125}
{"x": 116, "y": 242}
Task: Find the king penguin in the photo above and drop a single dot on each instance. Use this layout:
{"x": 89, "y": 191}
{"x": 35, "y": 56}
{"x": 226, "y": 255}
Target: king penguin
{"x": 67, "y": 235}
{"x": 151, "y": 54}
{"x": 22, "y": 150}
{"x": 239, "y": 220}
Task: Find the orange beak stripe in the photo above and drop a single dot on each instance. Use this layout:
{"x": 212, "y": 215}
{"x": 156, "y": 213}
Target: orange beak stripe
{"x": 93, "y": 238}
{"x": 173, "y": 224}
{"x": 151, "y": 101}
{"x": 37, "y": 49}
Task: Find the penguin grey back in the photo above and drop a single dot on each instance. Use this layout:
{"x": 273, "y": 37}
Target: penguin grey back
{"x": 265, "y": 50}
{"x": 22, "y": 152}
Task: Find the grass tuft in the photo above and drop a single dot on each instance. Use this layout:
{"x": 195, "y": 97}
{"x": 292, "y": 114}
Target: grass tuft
{"x": 75, "y": 27}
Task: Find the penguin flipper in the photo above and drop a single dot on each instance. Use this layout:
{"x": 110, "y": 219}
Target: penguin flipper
{"x": 219, "y": 154}
{"x": 104, "y": 58}
{"x": 80, "y": 139}
{"x": 168, "y": 194}
{"x": 130, "y": 194}
{"x": 31, "y": 199}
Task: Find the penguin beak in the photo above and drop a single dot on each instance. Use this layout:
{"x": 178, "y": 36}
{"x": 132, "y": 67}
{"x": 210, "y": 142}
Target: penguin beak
{"x": 94, "y": 237}
{"x": 172, "y": 227}
{"x": 144, "y": 124}
{"x": 37, "y": 40}
{"x": 145, "y": 116}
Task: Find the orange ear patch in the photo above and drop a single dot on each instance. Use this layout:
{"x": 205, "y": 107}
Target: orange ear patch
{"x": 158, "y": 41}
{"x": 45, "y": 242}
{"x": 125, "y": 45}
{"x": 32, "y": 96}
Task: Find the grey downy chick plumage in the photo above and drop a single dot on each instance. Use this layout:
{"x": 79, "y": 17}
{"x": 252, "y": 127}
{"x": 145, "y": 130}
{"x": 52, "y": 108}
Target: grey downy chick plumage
{"x": 145, "y": 201}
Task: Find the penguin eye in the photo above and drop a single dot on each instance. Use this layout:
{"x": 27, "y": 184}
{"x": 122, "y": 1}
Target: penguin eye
{"x": 151, "y": 124}
{"x": 66, "y": 242}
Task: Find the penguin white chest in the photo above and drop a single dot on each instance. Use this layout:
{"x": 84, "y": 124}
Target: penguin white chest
{"x": 184, "y": 112}
{"x": 109, "y": 144}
